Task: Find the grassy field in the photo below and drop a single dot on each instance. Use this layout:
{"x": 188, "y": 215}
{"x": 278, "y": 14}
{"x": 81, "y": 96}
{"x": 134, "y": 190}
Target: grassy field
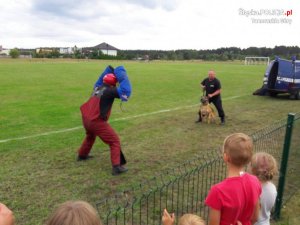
{"x": 156, "y": 126}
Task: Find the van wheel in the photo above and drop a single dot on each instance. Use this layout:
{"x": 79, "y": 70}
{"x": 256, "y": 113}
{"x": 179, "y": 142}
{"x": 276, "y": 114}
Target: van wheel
{"x": 273, "y": 94}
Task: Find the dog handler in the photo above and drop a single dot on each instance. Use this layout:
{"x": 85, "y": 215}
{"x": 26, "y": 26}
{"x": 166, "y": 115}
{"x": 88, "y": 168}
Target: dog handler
{"x": 212, "y": 86}
{"x": 96, "y": 111}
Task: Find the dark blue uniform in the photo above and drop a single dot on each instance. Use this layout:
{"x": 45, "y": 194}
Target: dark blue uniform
{"x": 211, "y": 86}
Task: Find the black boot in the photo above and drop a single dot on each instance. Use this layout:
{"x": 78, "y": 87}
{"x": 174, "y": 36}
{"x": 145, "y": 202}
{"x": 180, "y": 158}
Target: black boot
{"x": 116, "y": 170}
{"x": 222, "y": 121}
{"x": 85, "y": 157}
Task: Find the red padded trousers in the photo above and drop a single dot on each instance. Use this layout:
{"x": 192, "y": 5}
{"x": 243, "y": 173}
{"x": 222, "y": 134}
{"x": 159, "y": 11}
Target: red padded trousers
{"x": 106, "y": 133}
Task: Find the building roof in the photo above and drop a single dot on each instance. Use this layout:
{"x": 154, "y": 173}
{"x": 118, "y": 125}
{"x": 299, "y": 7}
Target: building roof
{"x": 105, "y": 46}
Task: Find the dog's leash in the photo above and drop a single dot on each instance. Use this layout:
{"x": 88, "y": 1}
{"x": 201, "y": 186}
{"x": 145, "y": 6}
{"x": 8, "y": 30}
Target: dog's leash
{"x": 203, "y": 95}
{"x": 121, "y": 107}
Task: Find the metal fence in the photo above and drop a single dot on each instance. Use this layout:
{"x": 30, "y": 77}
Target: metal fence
{"x": 289, "y": 181}
{"x": 184, "y": 188}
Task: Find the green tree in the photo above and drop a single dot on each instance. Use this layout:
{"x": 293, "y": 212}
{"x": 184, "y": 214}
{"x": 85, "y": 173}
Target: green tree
{"x": 14, "y": 53}
{"x": 77, "y": 53}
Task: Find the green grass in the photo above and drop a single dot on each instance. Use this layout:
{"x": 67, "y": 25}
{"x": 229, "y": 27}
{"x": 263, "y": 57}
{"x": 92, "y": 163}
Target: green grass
{"x": 40, "y": 96}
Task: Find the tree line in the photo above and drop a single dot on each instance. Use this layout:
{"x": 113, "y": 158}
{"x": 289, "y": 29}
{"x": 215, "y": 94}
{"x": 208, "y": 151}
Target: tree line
{"x": 220, "y": 54}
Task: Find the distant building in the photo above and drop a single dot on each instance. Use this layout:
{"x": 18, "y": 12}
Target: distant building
{"x": 69, "y": 50}
{"x": 102, "y": 48}
{"x": 3, "y": 51}
{"x": 26, "y": 52}
{"x": 45, "y": 50}
{"x": 105, "y": 48}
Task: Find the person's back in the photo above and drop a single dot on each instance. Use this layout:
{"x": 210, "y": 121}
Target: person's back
{"x": 100, "y": 103}
{"x": 264, "y": 166}
{"x": 235, "y": 199}
{"x": 267, "y": 201}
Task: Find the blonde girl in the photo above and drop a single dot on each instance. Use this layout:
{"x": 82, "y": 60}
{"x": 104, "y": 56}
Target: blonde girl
{"x": 264, "y": 167}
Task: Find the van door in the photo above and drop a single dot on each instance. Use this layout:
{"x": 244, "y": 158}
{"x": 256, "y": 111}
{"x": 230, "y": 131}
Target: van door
{"x": 273, "y": 72}
{"x": 285, "y": 75}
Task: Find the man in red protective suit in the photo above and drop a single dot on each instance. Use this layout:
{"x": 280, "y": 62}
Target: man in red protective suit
{"x": 95, "y": 114}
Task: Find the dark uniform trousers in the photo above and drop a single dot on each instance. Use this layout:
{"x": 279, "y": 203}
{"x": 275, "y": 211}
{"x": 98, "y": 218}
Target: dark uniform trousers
{"x": 218, "y": 104}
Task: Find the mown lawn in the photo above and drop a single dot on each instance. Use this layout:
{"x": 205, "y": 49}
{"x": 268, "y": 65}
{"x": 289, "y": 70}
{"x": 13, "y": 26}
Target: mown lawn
{"x": 156, "y": 126}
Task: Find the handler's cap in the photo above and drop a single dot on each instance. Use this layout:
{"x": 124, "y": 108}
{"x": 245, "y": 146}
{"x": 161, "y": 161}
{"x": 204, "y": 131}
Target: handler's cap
{"x": 110, "y": 79}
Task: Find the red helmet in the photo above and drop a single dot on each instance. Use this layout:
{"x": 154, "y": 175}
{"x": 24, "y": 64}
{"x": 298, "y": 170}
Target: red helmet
{"x": 110, "y": 79}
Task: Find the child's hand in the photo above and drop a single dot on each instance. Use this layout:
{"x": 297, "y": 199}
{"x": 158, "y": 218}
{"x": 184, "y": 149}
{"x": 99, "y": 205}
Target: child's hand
{"x": 6, "y": 215}
{"x": 168, "y": 219}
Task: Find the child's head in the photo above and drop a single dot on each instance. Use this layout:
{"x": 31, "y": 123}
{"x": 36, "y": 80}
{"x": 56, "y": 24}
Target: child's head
{"x": 75, "y": 213}
{"x": 190, "y": 219}
{"x": 238, "y": 147}
{"x": 264, "y": 166}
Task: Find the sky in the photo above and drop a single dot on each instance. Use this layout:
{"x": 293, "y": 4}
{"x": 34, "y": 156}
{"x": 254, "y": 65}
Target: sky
{"x": 150, "y": 24}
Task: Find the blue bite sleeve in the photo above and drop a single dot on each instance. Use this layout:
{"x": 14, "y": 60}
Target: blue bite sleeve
{"x": 125, "y": 86}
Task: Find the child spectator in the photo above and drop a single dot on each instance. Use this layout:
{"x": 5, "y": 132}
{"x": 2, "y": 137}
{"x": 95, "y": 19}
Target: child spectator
{"x": 236, "y": 199}
{"x": 74, "y": 213}
{"x": 264, "y": 166}
{"x": 186, "y": 219}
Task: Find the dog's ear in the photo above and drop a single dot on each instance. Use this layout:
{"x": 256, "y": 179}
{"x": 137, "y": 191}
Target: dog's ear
{"x": 203, "y": 99}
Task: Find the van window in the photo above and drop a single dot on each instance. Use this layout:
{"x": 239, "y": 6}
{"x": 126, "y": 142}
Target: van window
{"x": 285, "y": 70}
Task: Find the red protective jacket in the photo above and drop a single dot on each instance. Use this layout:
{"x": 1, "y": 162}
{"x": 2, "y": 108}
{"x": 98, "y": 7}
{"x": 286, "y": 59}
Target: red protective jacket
{"x": 100, "y": 103}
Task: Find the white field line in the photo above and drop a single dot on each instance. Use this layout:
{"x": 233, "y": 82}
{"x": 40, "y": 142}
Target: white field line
{"x": 118, "y": 119}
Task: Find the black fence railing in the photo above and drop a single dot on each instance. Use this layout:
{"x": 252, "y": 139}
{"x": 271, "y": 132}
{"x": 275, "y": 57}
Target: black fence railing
{"x": 183, "y": 189}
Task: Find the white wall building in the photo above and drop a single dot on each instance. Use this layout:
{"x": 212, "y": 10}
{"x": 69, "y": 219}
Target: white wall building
{"x": 107, "y": 49}
{"x": 4, "y": 51}
{"x": 68, "y": 50}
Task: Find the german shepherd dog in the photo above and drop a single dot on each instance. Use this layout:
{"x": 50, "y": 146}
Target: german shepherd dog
{"x": 206, "y": 111}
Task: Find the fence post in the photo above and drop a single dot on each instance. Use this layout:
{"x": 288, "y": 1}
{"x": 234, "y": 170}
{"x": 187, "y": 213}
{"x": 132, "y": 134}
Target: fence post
{"x": 283, "y": 166}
